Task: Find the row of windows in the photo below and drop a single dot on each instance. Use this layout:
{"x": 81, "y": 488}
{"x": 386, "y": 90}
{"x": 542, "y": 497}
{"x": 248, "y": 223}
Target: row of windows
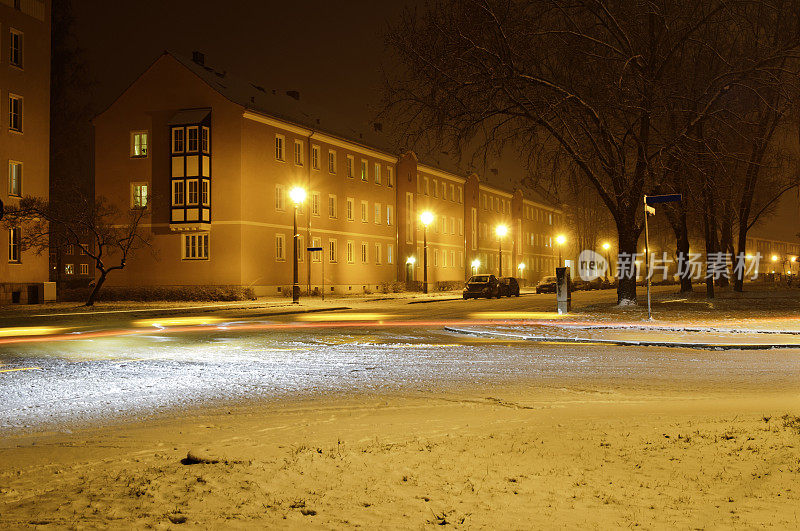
{"x": 191, "y": 192}
{"x": 364, "y": 173}
{"x": 537, "y": 214}
{"x": 446, "y": 225}
{"x": 538, "y": 239}
{"x": 333, "y": 251}
{"x": 191, "y": 139}
{"x": 69, "y": 269}
{"x": 433, "y": 188}
{"x": 448, "y": 258}
{"x": 333, "y": 207}
{"x": 495, "y": 204}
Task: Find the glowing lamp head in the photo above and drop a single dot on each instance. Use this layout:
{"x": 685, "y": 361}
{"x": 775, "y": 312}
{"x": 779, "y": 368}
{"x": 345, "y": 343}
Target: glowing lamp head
{"x": 606, "y": 246}
{"x": 426, "y": 217}
{"x": 521, "y": 267}
{"x": 476, "y": 264}
{"x": 411, "y": 260}
{"x": 501, "y": 230}
{"x": 560, "y": 239}
{"x": 297, "y": 195}
{"x": 794, "y": 259}
{"x": 749, "y": 256}
{"x": 774, "y": 258}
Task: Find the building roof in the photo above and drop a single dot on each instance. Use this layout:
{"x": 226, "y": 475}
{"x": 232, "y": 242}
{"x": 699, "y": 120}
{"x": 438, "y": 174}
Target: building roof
{"x": 189, "y": 116}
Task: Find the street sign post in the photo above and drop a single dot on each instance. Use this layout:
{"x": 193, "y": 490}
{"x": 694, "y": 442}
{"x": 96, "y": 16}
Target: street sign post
{"x": 651, "y": 211}
{"x": 322, "y": 261}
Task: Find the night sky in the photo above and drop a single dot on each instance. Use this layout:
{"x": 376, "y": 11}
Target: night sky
{"x": 330, "y": 51}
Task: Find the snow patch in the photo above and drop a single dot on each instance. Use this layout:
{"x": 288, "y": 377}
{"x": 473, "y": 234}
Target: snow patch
{"x": 626, "y": 302}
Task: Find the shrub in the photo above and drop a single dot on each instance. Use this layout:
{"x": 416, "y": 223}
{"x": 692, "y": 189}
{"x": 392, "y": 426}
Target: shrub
{"x": 163, "y": 293}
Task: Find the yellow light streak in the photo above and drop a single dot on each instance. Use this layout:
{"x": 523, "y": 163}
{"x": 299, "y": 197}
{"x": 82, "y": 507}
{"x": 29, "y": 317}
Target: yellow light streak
{"x": 347, "y": 317}
{"x": 516, "y": 315}
{"x": 178, "y": 321}
{"x": 22, "y": 369}
{"x": 29, "y": 331}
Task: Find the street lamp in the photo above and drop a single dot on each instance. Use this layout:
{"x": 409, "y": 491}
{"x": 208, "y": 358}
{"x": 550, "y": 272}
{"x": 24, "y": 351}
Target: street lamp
{"x": 521, "y": 268}
{"x": 298, "y": 196}
{"x": 501, "y": 231}
{"x": 426, "y": 218}
{"x": 410, "y": 261}
{"x": 560, "y": 239}
{"x": 475, "y": 265}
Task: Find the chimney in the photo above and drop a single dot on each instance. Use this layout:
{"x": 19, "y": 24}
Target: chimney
{"x": 199, "y": 58}
{"x": 293, "y": 94}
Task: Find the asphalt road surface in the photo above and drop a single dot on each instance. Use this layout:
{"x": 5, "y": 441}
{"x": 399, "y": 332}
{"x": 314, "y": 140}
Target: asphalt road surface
{"x": 108, "y": 367}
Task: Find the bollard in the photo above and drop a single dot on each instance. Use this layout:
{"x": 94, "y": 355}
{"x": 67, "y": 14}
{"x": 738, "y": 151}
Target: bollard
{"x": 563, "y": 291}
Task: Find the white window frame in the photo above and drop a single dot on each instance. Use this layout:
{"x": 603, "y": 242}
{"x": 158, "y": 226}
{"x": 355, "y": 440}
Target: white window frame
{"x": 14, "y": 245}
{"x": 389, "y": 215}
{"x": 280, "y": 198}
{"x": 333, "y": 250}
{"x": 299, "y": 155}
{"x": 351, "y": 166}
{"x": 18, "y": 128}
{"x": 378, "y": 173}
{"x": 192, "y": 196}
{"x": 14, "y": 178}
{"x": 139, "y": 148}
{"x": 378, "y": 208}
{"x": 205, "y": 139}
{"x": 192, "y": 144}
{"x": 315, "y": 205}
{"x": 137, "y": 200}
{"x": 349, "y": 252}
{"x": 178, "y": 136}
{"x": 364, "y": 211}
{"x": 178, "y": 191}
{"x": 205, "y": 192}
{"x": 19, "y": 61}
{"x": 350, "y": 209}
{"x": 280, "y": 247}
{"x": 389, "y": 253}
{"x": 333, "y": 207}
{"x": 195, "y": 246}
{"x": 280, "y": 147}
{"x": 315, "y": 157}
{"x": 389, "y": 176}
{"x": 316, "y": 256}
{"x": 364, "y": 252}
{"x": 378, "y": 254}
{"x": 332, "y": 162}
{"x": 364, "y": 170}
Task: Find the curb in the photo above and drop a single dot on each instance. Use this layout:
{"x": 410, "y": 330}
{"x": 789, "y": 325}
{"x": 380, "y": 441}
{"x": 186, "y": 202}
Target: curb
{"x": 625, "y": 342}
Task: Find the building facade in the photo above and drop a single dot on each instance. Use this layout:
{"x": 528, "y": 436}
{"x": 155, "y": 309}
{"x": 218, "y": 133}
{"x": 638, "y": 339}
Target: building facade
{"x": 24, "y": 136}
{"x": 213, "y": 160}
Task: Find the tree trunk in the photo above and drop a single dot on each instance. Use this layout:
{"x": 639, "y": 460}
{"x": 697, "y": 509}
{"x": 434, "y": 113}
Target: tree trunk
{"x": 710, "y": 236}
{"x": 96, "y": 289}
{"x": 726, "y": 240}
{"x": 677, "y": 219}
{"x": 741, "y": 254}
{"x": 628, "y": 235}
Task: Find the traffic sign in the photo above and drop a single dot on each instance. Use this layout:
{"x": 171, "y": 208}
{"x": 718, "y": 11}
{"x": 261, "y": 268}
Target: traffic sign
{"x": 655, "y": 199}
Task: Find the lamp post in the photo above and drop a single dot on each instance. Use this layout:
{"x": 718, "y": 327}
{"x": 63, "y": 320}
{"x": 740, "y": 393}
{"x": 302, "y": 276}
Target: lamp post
{"x": 521, "y": 268}
{"x": 426, "y": 218}
{"x": 475, "y": 265}
{"x": 297, "y": 195}
{"x": 560, "y": 239}
{"x": 410, "y": 261}
{"x": 501, "y": 231}
{"x": 606, "y": 247}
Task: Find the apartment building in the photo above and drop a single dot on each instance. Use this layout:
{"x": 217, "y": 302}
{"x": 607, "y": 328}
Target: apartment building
{"x": 213, "y": 158}
{"x": 24, "y": 137}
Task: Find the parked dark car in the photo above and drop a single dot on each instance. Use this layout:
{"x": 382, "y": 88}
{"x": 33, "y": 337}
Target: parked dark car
{"x": 546, "y": 285}
{"x": 509, "y": 286}
{"x": 482, "y": 286}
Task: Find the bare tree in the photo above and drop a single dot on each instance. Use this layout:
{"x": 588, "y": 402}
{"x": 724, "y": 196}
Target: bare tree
{"x": 602, "y": 81}
{"x": 94, "y": 226}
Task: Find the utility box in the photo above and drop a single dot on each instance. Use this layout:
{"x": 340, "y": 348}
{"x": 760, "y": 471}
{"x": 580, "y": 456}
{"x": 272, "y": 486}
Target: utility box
{"x": 49, "y": 292}
{"x": 563, "y": 291}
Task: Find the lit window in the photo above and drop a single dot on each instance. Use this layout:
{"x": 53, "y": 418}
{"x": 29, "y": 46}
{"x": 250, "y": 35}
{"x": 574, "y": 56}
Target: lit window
{"x": 84, "y": 269}
{"x": 139, "y": 195}
{"x": 178, "y": 193}
{"x": 177, "y": 140}
{"x": 195, "y": 246}
{"x": 377, "y": 212}
{"x": 315, "y": 157}
{"x": 390, "y": 177}
{"x": 279, "y": 140}
{"x": 14, "y": 244}
{"x": 377, "y": 173}
{"x": 139, "y": 144}
{"x": 280, "y": 247}
{"x": 205, "y": 140}
{"x": 15, "y": 179}
{"x": 389, "y": 254}
{"x": 298, "y": 152}
{"x": 389, "y": 215}
{"x": 69, "y": 269}
{"x": 192, "y": 139}
{"x": 364, "y": 170}
{"x": 15, "y": 49}
{"x": 193, "y": 194}
{"x": 15, "y": 113}
{"x": 331, "y": 162}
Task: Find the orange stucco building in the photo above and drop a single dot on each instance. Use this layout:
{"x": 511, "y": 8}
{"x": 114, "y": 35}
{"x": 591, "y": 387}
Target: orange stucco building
{"x": 24, "y": 137}
{"x": 212, "y": 158}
